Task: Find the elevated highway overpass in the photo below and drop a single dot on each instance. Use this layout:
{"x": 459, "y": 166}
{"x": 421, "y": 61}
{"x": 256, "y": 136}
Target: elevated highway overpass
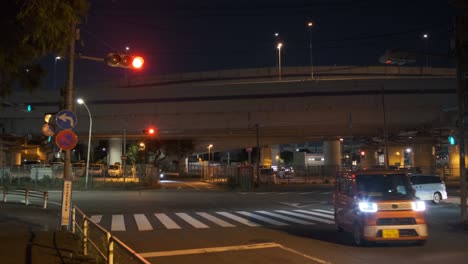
{"x": 224, "y": 107}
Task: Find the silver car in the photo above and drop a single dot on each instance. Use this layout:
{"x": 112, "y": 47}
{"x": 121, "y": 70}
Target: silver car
{"x": 429, "y": 187}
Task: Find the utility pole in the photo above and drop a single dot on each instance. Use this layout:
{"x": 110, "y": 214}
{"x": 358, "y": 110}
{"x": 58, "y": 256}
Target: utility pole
{"x": 461, "y": 34}
{"x": 67, "y": 172}
{"x": 69, "y": 95}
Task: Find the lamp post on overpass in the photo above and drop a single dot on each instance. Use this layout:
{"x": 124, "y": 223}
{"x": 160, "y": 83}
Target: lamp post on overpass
{"x": 82, "y": 102}
{"x": 209, "y": 152}
{"x": 279, "y": 46}
{"x": 310, "y": 24}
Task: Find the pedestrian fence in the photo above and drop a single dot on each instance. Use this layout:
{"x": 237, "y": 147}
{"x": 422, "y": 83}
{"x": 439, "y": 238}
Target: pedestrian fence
{"x": 27, "y": 193}
{"x": 99, "y": 243}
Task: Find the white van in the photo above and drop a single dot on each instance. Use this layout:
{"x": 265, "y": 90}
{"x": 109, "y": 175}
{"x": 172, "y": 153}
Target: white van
{"x": 429, "y": 187}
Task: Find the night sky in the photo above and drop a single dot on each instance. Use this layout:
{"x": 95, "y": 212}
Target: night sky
{"x": 186, "y": 35}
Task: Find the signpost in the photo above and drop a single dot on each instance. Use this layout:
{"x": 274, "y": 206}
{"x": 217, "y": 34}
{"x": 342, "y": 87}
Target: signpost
{"x": 66, "y": 119}
{"x": 66, "y": 202}
{"x": 66, "y": 139}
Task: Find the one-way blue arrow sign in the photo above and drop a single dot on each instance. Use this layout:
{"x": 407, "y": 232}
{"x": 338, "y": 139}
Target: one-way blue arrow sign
{"x": 66, "y": 119}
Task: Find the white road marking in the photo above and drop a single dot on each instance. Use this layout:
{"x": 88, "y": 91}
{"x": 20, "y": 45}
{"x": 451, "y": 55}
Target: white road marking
{"x": 215, "y": 219}
{"x": 228, "y": 248}
{"x": 331, "y": 211}
{"x": 192, "y": 221}
{"x": 96, "y": 219}
{"x": 287, "y": 218}
{"x": 306, "y": 217}
{"x": 118, "y": 223}
{"x": 206, "y": 250}
{"x": 238, "y": 219}
{"x": 166, "y": 221}
{"x": 262, "y": 218}
{"x": 315, "y": 213}
{"x": 306, "y": 193}
{"x": 142, "y": 222}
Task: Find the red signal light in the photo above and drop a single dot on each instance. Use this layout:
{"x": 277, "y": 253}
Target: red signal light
{"x": 137, "y": 62}
{"x": 363, "y": 153}
{"x": 150, "y": 131}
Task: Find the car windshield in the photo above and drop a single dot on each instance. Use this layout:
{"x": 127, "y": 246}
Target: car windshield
{"x": 383, "y": 186}
{"x": 112, "y": 167}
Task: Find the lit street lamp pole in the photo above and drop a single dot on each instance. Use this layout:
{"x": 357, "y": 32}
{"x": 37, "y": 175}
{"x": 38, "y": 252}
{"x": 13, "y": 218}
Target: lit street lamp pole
{"x": 209, "y": 152}
{"x": 310, "y": 25}
{"x": 279, "y": 46}
{"x": 55, "y": 70}
{"x": 426, "y": 43}
{"x": 81, "y": 101}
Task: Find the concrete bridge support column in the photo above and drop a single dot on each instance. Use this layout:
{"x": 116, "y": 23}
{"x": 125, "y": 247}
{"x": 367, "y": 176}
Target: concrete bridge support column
{"x": 275, "y": 155}
{"x": 16, "y": 158}
{"x": 332, "y": 157}
{"x": 265, "y": 156}
{"x": 396, "y": 156}
{"x": 115, "y": 150}
{"x": 370, "y": 158}
{"x": 424, "y": 158}
{"x": 454, "y": 160}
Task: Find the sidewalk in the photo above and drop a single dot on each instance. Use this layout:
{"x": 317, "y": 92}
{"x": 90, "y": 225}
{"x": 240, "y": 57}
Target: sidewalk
{"x": 30, "y": 234}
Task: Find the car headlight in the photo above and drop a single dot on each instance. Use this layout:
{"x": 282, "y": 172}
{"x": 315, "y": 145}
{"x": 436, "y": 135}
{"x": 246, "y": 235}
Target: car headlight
{"x": 161, "y": 175}
{"x": 418, "y": 206}
{"x": 368, "y": 207}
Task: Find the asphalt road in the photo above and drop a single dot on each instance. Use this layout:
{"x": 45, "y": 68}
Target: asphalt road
{"x": 195, "y": 222}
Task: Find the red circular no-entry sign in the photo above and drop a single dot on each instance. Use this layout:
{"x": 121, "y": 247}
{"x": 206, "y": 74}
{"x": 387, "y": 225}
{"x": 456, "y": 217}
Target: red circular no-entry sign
{"x": 66, "y": 139}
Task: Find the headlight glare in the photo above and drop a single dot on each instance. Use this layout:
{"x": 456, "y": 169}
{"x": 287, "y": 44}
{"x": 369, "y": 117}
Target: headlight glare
{"x": 418, "y": 206}
{"x": 368, "y": 207}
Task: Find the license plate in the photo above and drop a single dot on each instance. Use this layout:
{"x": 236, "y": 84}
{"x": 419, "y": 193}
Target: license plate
{"x": 390, "y": 233}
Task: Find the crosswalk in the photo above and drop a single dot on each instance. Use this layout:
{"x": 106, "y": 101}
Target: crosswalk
{"x": 205, "y": 220}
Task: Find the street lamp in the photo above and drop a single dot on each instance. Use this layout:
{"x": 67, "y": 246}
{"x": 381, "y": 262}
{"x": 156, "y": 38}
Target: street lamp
{"x": 55, "y": 70}
{"x": 209, "y": 152}
{"x": 425, "y": 37}
{"x": 279, "y": 46}
{"x": 310, "y": 25}
{"x": 81, "y": 101}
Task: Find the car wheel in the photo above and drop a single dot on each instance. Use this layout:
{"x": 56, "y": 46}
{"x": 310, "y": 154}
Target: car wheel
{"x": 436, "y": 198}
{"x": 358, "y": 236}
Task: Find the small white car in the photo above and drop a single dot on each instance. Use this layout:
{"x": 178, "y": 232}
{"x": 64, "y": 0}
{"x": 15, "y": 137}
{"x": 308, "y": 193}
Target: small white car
{"x": 429, "y": 187}
{"x": 114, "y": 171}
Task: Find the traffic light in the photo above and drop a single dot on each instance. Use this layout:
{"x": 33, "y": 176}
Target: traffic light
{"x": 150, "y": 131}
{"x": 28, "y": 108}
{"x": 363, "y": 153}
{"x": 124, "y": 61}
{"x": 451, "y": 140}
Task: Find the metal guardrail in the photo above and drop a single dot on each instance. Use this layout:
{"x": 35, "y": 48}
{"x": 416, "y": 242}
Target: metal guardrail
{"x": 100, "y": 243}
{"x": 27, "y": 193}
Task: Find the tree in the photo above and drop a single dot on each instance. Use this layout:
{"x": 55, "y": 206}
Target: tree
{"x": 31, "y": 29}
{"x": 287, "y": 157}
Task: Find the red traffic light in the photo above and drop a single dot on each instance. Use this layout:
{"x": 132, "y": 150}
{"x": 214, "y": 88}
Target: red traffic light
{"x": 363, "y": 153}
{"x": 151, "y": 131}
{"x": 137, "y": 62}
{"x": 124, "y": 61}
